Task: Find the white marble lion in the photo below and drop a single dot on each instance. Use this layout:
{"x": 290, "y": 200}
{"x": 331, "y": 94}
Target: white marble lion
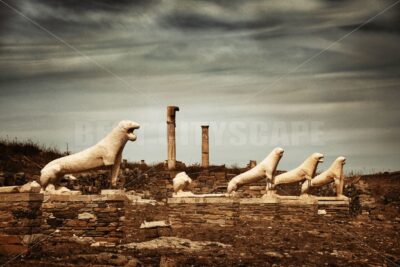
{"x": 333, "y": 174}
{"x": 265, "y": 168}
{"x": 306, "y": 171}
{"x": 180, "y": 183}
{"x": 107, "y": 152}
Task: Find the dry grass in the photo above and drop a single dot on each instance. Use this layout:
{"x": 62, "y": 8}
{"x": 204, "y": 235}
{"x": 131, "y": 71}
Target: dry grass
{"x": 26, "y": 147}
{"x": 25, "y": 155}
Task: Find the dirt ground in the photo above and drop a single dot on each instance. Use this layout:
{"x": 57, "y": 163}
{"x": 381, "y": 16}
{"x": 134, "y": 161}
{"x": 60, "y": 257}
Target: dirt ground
{"x": 322, "y": 241}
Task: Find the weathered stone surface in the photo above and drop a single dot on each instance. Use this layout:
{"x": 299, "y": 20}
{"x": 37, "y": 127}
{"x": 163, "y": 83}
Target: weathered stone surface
{"x": 87, "y": 216}
{"x": 12, "y": 249}
{"x": 20, "y": 197}
{"x": 274, "y": 254}
{"x": 112, "y": 192}
{"x": 321, "y": 212}
{"x": 154, "y": 224}
{"x": 205, "y": 157}
{"x": 133, "y": 263}
{"x": 380, "y": 217}
{"x": 103, "y": 244}
{"x": 9, "y": 239}
{"x": 166, "y": 261}
{"x": 171, "y": 114}
{"x": 8, "y": 189}
{"x": 184, "y": 245}
{"x": 85, "y": 198}
{"x": 32, "y": 239}
{"x": 32, "y": 187}
{"x": 112, "y": 219}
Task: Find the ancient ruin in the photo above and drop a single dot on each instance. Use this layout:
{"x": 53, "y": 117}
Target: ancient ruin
{"x": 106, "y": 153}
{"x": 126, "y": 220}
{"x": 231, "y": 96}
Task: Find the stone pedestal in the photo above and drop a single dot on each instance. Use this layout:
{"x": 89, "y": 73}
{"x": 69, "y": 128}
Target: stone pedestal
{"x": 112, "y": 192}
{"x": 225, "y": 211}
{"x": 334, "y": 206}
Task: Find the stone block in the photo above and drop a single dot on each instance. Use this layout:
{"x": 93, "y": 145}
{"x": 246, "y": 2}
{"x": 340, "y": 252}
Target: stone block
{"x": 12, "y": 249}
{"x": 87, "y": 216}
{"x": 9, "y": 239}
{"x": 8, "y": 189}
{"x": 20, "y": 197}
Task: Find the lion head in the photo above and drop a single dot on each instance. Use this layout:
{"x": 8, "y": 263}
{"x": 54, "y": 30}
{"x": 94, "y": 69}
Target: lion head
{"x": 341, "y": 159}
{"x": 318, "y": 157}
{"x": 128, "y": 127}
{"x": 279, "y": 151}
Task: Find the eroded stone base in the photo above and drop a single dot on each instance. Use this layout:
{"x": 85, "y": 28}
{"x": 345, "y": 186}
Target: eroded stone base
{"x": 111, "y": 219}
{"x": 189, "y": 211}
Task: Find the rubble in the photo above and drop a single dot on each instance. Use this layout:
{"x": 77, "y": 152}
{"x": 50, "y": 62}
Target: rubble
{"x": 9, "y": 189}
{"x": 154, "y": 224}
{"x": 32, "y": 187}
{"x": 175, "y": 243}
{"x": 87, "y": 216}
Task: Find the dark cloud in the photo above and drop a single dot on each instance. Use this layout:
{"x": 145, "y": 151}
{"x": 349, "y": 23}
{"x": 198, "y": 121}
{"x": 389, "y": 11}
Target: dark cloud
{"x": 98, "y": 5}
{"x": 201, "y": 22}
{"x": 69, "y": 18}
{"x": 388, "y": 22}
{"x": 5, "y": 17}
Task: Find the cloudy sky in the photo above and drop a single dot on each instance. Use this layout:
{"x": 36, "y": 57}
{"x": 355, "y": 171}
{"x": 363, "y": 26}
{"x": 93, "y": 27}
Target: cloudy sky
{"x": 306, "y": 75}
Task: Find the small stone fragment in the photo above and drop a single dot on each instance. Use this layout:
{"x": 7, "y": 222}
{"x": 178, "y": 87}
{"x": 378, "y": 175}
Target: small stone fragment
{"x": 87, "y": 216}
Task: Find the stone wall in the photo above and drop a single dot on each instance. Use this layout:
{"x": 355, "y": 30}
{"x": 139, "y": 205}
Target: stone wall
{"x": 113, "y": 219}
{"x": 333, "y": 207}
{"x": 139, "y": 211}
{"x": 96, "y": 217}
{"x": 21, "y": 219}
{"x": 225, "y": 212}
{"x": 196, "y": 212}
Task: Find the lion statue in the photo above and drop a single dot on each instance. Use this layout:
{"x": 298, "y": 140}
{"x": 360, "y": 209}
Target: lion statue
{"x": 265, "y": 168}
{"x": 180, "y": 183}
{"x": 333, "y": 174}
{"x": 306, "y": 171}
{"x": 106, "y": 153}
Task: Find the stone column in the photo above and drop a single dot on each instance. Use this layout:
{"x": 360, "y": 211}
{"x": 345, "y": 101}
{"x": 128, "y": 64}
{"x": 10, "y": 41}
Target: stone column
{"x": 171, "y": 136}
{"x": 205, "y": 156}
